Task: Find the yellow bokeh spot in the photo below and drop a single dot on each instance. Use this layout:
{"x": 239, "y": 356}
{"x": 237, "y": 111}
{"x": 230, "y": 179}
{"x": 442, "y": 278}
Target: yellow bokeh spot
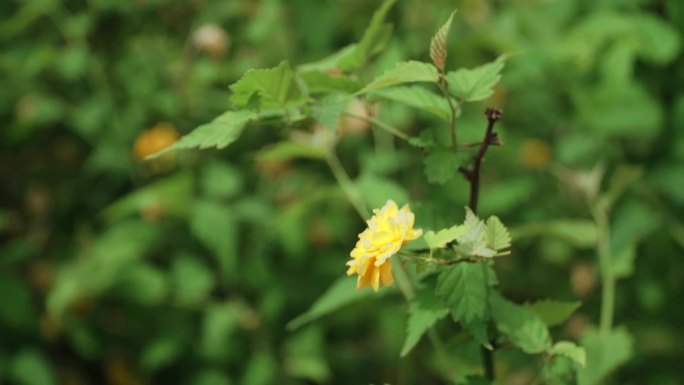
{"x": 535, "y": 154}
{"x": 155, "y": 139}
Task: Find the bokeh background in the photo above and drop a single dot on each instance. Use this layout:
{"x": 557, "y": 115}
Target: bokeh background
{"x": 186, "y": 269}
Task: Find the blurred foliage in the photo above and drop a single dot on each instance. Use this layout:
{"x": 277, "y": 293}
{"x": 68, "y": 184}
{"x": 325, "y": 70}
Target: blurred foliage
{"x": 186, "y": 268}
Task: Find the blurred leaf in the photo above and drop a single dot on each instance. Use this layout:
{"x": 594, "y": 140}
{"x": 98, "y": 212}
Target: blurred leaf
{"x": 221, "y": 180}
{"x": 554, "y": 312}
{"x": 524, "y": 327}
{"x": 288, "y": 150}
{"x": 274, "y": 88}
{"x": 464, "y": 288}
{"x": 260, "y": 370}
{"x": 475, "y": 84}
{"x": 304, "y": 356}
{"x": 319, "y": 82}
{"x": 30, "y": 367}
{"x": 377, "y": 190}
{"x": 171, "y": 195}
{"x": 143, "y": 284}
{"x": 215, "y": 226}
{"x": 659, "y": 41}
{"x": 192, "y": 280}
{"x": 210, "y": 377}
{"x": 220, "y": 321}
{"x": 329, "y": 109}
{"x": 605, "y": 353}
{"x": 570, "y": 350}
{"x": 18, "y": 311}
{"x": 578, "y": 232}
{"x": 160, "y": 353}
{"x": 342, "y": 292}
{"x": 418, "y": 97}
{"x": 424, "y": 310}
{"x": 497, "y": 235}
{"x": 403, "y": 72}
{"x": 441, "y": 165}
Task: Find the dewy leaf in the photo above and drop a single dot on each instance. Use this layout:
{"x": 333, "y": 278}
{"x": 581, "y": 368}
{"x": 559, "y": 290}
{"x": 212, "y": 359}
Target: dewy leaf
{"x": 605, "y": 352}
{"x": 441, "y": 165}
{"x": 497, "y": 235}
{"x": 403, "y": 72}
{"x": 475, "y": 84}
{"x": 554, "y": 312}
{"x": 274, "y": 88}
{"x": 523, "y": 327}
{"x": 219, "y": 133}
{"x": 418, "y": 97}
{"x": 570, "y": 350}
{"x": 464, "y": 288}
{"x": 329, "y": 110}
{"x": 424, "y": 311}
{"x": 438, "y": 45}
{"x": 442, "y": 237}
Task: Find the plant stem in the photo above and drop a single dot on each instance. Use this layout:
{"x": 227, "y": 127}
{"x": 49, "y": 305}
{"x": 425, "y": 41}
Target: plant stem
{"x": 380, "y": 124}
{"x": 473, "y": 175}
{"x": 453, "y": 108}
{"x": 608, "y": 280}
{"x": 346, "y": 184}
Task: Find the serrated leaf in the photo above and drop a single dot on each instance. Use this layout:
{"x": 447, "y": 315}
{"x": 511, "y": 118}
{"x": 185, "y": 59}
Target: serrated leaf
{"x": 374, "y": 39}
{"x": 570, "y": 350}
{"x": 440, "y": 239}
{"x": 524, "y": 328}
{"x": 475, "y": 84}
{"x": 219, "y": 133}
{"x": 329, "y": 110}
{"x": 605, "y": 352}
{"x": 319, "y": 82}
{"x": 472, "y": 242}
{"x": 403, "y": 72}
{"x": 496, "y": 234}
{"x": 464, "y": 288}
{"x": 418, "y": 97}
{"x": 441, "y": 165}
{"x": 274, "y": 88}
{"x": 554, "y": 312}
{"x": 424, "y": 311}
{"x": 438, "y": 44}
{"x": 478, "y": 330}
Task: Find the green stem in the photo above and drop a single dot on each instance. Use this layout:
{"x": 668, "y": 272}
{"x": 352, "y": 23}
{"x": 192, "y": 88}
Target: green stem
{"x": 346, "y": 184}
{"x": 380, "y": 124}
{"x": 608, "y": 280}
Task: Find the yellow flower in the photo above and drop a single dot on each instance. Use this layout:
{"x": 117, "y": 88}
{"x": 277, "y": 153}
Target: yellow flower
{"x": 388, "y": 230}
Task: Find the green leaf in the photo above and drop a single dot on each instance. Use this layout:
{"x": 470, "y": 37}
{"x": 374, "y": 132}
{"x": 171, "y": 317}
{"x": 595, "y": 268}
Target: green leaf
{"x": 473, "y": 241}
{"x": 464, "y": 288}
{"x": 496, "y": 234}
{"x": 438, "y": 44}
{"x": 341, "y": 293}
{"x": 425, "y": 309}
{"x": 192, "y": 280}
{"x": 160, "y": 353}
{"x": 442, "y": 237}
{"x": 377, "y": 190}
{"x": 475, "y": 84}
{"x": 418, "y": 97}
{"x": 288, "y": 150}
{"x": 554, "y": 312}
{"x": 329, "y": 109}
{"x": 320, "y": 82}
{"x": 570, "y": 350}
{"x": 523, "y": 327}
{"x": 441, "y": 165}
{"x": 578, "y": 232}
{"x": 220, "y": 321}
{"x": 374, "y": 39}
{"x": 30, "y": 367}
{"x": 605, "y": 353}
{"x": 273, "y": 88}
{"x": 403, "y": 72}
{"x": 214, "y": 225}
{"x": 221, "y": 180}
{"x": 219, "y": 133}
{"x": 305, "y": 356}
